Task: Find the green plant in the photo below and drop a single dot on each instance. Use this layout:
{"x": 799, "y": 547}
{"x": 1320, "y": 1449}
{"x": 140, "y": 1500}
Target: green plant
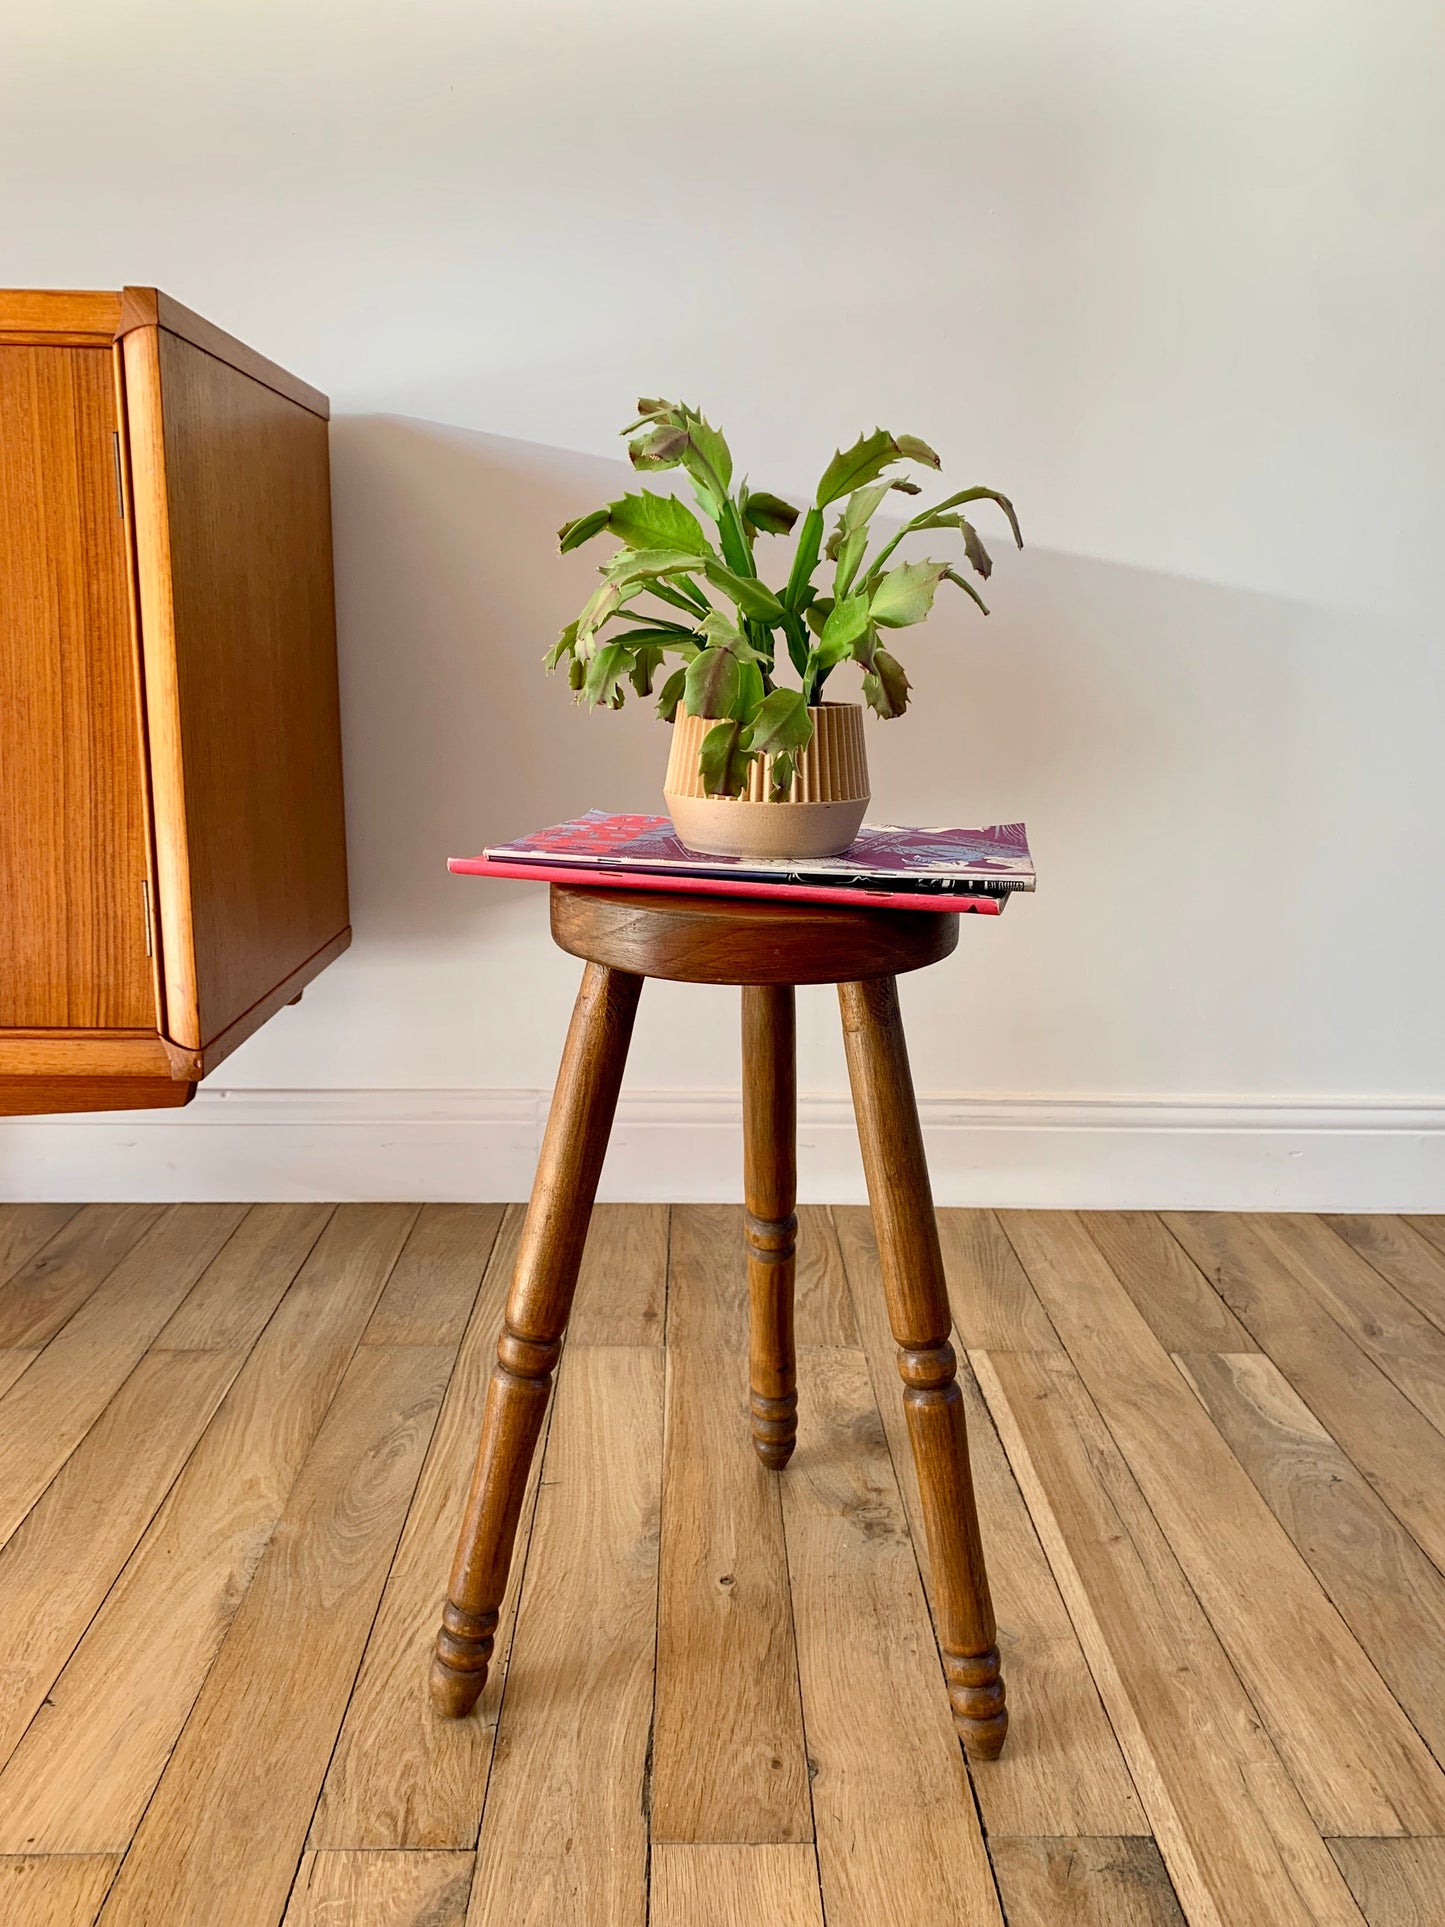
{"x": 728, "y": 654}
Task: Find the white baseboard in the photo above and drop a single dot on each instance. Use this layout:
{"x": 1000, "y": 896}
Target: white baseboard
{"x": 1385, "y": 1154}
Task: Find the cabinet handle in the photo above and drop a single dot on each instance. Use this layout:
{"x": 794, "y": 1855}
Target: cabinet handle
{"x": 145, "y": 898}
{"x": 119, "y": 490}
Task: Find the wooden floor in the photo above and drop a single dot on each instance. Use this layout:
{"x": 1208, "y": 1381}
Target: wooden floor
{"x": 1210, "y": 1454}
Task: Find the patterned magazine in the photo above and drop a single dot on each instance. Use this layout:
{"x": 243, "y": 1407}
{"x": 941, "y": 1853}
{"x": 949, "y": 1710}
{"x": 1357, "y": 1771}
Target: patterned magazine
{"x": 943, "y": 869}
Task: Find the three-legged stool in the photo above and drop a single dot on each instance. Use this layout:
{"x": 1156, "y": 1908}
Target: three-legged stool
{"x": 767, "y": 948}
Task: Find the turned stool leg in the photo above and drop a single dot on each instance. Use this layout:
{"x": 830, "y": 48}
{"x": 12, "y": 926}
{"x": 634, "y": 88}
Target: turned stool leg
{"x": 548, "y": 1259}
{"x": 771, "y": 1185}
{"x": 913, "y": 1279}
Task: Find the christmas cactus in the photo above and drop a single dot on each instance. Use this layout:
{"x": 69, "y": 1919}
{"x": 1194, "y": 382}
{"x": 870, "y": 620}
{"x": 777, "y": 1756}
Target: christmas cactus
{"x": 674, "y": 589}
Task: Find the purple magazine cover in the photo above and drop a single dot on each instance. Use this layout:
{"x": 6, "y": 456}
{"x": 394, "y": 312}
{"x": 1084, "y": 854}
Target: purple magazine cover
{"x": 994, "y": 859}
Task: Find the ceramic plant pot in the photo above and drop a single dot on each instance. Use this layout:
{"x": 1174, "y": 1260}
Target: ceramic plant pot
{"x": 823, "y": 809}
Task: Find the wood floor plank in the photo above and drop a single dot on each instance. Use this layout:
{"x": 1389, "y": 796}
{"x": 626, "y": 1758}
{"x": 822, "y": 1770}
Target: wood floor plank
{"x": 1173, "y": 1297}
{"x": 1388, "y": 1439}
{"x": 80, "y": 1779}
{"x": 728, "y": 1761}
{"x": 12, "y": 1364}
{"x": 248, "y": 1279}
{"x": 1403, "y": 1342}
{"x": 24, "y": 1228}
{"x": 622, "y": 1287}
{"x": 1430, "y": 1227}
{"x": 41, "y": 1294}
{"x": 564, "y": 1830}
{"x": 889, "y": 1785}
{"x": 707, "y": 1302}
{"x": 430, "y": 1293}
{"x": 1388, "y": 1592}
{"x": 726, "y": 1886}
{"x": 47, "y": 1412}
{"x": 224, "y": 1832}
{"x": 823, "y": 1305}
{"x": 1084, "y": 1883}
{"x": 1398, "y": 1252}
{"x": 1061, "y": 1771}
{"x": 1358, "y": 1761}
{"x": 54, "y": 1890}
{"x": 994, "y": 1306}
{"x": 58, "y": 1567}
{"x": 414, "y": 1889}
{"x": 1398, "y": 1883}
{"x": 401, "y": 1776}
{"x": 1233, "y": 1829}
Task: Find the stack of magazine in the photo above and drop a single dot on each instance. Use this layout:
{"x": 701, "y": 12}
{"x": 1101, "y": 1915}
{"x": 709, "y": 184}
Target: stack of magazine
{"x": 920, "y": 869}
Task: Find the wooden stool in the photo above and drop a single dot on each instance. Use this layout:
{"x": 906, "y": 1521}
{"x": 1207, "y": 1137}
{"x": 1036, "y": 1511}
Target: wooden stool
{"x": 767, "y": 948}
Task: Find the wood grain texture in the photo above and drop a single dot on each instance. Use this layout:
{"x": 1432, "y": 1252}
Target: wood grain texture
{"x": 707, "y": 1280}
{"x": 914, "y": 1285}
{"x": 233, "y": 543}
{"x": 822, "y": 1304}
{"x": 770, "y": 1225}
{"x": 226, "y": 1826}
{"x": 1169, "y": 1292}
{"x": 994, "y": 1305}
{"x": 1358, "y": 1762}
{"x": 1233, "y": 1830}
{"x": 25, "y": 1228}
{"x": 39, "y": 1296}
{"x": 739, "y": 940}
{"x": 58, "y": 1056}
{"x": 381, "y": 1890}
{"x": 429, "y": 1296}
{"x": 47, "y": 1413}
{"x": 12, "y": 1365}
{"x": 247, "y": 1279}
{"x": 72, "y": 809}
{"x": 728, "y": 1761}
{"x": 1406, "y": 1345}
{"x": 1062, "y": 1771}
{"x": 42, "y": 1096}
{"x": 1387, "y": 1591}
{"x": 622, "y": 1286}
{"x": 564, "y": 1836}
{"x": 400, "y": 1775}
{"x": 1398, "y": 1883}
{"x": 60, "y": 311}
{"x": 63, "y": 1890}
{"x": 701, "y": 1886}
{"x": 87, "y": 1765}
{"x": 539, "y": 1302}
{"x": 1430, "y": 1227}
{"x": 1398, "y": 1252}
{"x": 1084, "y": 1883}
{"x": 1385, "y": 1436}
{"x": 889, "y": 1786}
{"x": 59, "y": 1565}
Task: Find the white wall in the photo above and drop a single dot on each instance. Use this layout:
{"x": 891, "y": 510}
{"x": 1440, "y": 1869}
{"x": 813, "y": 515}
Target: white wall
{"x": 1171, "y": 275}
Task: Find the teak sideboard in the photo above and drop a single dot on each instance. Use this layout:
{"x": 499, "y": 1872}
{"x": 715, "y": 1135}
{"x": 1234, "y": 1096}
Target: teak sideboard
{"x": 172, "y": 841}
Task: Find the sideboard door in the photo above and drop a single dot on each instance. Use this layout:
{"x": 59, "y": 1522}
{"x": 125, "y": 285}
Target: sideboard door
{"x": 73, "y": 925}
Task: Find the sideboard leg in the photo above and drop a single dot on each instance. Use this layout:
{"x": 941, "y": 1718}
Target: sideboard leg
{"x": 771, "y": 1187}
{"x": 917, "y": 1292}
{"x": 538, "y": 1304}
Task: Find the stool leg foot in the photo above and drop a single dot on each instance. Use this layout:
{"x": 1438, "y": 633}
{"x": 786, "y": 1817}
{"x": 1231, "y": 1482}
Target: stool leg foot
{"x": 771, "y": 1229}
{"x": 918, "y": 1312}
{"x": 548, "y": 1259}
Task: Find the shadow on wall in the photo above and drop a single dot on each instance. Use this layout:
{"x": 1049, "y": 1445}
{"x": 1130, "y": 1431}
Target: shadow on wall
{"x": 1146, "y": 726}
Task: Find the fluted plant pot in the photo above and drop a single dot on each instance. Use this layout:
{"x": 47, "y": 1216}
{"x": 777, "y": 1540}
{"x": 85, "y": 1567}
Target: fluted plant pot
{"x": 820, "y": 815}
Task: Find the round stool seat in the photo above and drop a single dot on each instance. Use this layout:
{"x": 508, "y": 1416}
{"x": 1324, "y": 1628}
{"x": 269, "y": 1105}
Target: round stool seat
{"x": 745, "y": 940}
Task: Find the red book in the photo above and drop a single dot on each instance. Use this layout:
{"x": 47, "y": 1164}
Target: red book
{"x": 917, "y": 869}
